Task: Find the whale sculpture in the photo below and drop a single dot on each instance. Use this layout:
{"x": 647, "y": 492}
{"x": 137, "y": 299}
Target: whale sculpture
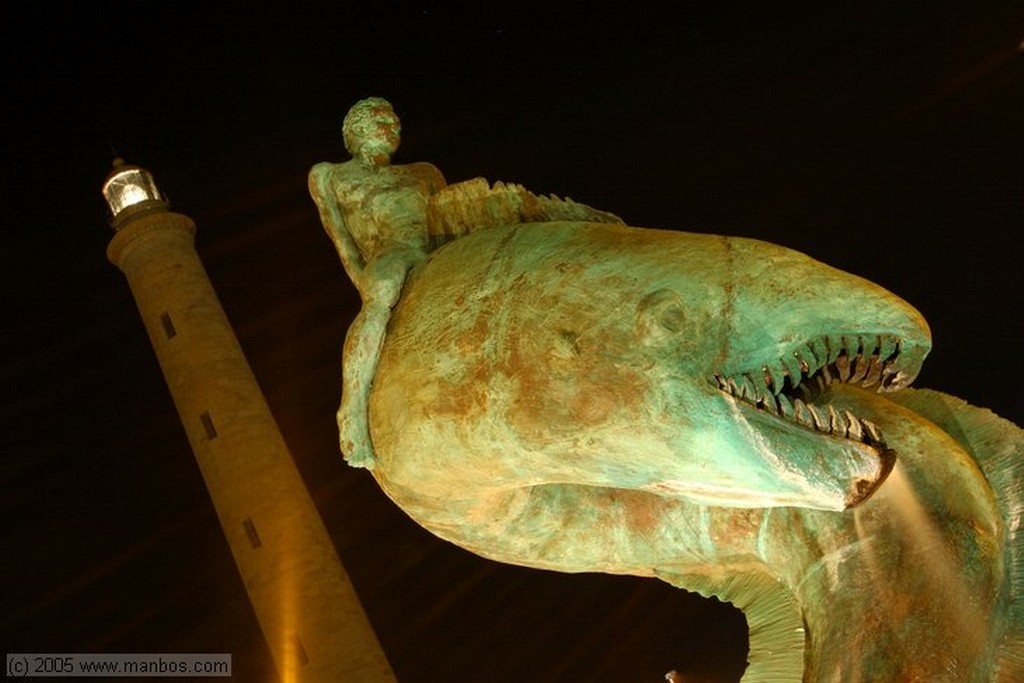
{"x": 558, "y": 390}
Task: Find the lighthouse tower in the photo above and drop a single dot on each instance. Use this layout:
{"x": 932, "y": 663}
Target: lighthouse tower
{"x": 309, "y": 613}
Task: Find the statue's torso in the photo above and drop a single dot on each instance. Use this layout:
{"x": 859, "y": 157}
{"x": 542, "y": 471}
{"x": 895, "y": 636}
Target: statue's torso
{"x": 385, "y": 207}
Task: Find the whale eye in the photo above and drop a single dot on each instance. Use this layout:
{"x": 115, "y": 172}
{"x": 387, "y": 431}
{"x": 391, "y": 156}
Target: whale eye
{"x": 672, "y": 317}
{"x": 660, "y": 315}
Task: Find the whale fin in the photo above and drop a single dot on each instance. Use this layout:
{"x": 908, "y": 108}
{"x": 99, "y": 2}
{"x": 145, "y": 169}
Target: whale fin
{"x": 997, "y": 445}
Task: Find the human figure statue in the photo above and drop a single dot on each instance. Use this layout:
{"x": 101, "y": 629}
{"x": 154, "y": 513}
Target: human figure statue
{"x": 383, "y": 220}
{"x": 376, "y": 215}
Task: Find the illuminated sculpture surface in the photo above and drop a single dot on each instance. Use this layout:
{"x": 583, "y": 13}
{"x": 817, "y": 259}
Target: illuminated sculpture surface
{"x": 546, "y": 386}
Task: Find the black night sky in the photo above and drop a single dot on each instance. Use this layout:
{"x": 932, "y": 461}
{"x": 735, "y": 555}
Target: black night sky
{"x": 886, "y": 139}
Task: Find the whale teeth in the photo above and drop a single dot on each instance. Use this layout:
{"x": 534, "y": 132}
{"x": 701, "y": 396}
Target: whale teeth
{"x": 895, "y": 381}
{"x": 819, "y": 418}
{"x": 805, "y": 367}
{"x": 851, "y": 342}
{"x": 835, "y": 346}
{"x": 887, "y": 347}
{"x": 773, "y": 378}
{"x": 868, "y": 344}
{"x": 820, "y": 351}
{"x": 757, "y": 389}
{"x": 873, "y": 435}
{"x": 853, "y": 429}
{"x": 791, "y": 366}
{"x": 801, "y": 413}
{"x": 789, "y": 386}
{"x": 892, "y": 377}
{"x": 860, "y": 367}
{"x": 835, "y": 422}
{"x": 768, "y": 404}
{"x": 842, "y": 366}
{"x": 874, "y": 373}
{"x": 747, "y": 389}
{"x": 785, "y": 405}
{"x": 800, "y": 409}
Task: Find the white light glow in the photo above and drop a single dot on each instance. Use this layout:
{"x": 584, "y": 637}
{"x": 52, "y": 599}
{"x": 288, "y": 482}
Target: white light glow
{"x": 128, "y": 188}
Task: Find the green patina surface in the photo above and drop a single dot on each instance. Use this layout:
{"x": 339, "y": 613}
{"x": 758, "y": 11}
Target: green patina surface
{"x": 546, "y": 386}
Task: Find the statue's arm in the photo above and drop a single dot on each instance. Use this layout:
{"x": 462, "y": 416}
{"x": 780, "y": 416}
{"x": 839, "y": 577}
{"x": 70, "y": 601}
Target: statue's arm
{"x": 435, "y": 178}
{"x": 334, "y": 222}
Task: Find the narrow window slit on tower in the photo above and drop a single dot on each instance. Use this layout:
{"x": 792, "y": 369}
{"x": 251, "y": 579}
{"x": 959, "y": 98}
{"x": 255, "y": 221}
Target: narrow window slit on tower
{"x": 300, "y": 652}
{"x": 168, "y": 324}
{"x": 250, "y": 531}
{"x": 211, "y": 431}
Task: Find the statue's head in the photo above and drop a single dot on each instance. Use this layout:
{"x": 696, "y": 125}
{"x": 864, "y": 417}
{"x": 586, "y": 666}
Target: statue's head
{"x": 371, "y": 130}
{"x": 694, "y": 366}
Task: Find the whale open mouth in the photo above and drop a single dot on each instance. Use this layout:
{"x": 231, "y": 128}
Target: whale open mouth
{"x": 792, "y": 387}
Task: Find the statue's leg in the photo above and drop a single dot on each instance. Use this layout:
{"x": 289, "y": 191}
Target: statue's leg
{"x": 383, "y": 278}
{"x": 362, "y": 348}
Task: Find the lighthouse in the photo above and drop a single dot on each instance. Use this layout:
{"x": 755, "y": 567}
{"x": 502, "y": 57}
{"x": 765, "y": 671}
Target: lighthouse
{"x": 306, "y": 606}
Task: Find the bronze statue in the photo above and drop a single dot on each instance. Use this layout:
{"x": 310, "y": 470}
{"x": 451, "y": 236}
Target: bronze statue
{"x": 376, "y": 216}
{"x": 561, "y": 391}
